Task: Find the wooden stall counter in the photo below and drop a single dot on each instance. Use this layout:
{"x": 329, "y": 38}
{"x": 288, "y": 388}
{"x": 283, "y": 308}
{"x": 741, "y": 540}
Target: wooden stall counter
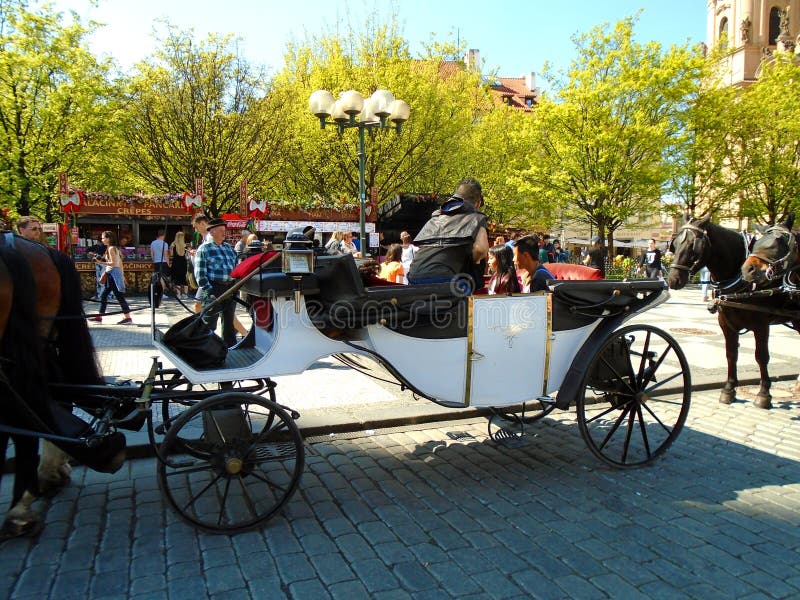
{"x": 137, "y": 276}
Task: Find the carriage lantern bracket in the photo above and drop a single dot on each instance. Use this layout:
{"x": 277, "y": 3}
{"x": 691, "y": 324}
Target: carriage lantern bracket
{"x": 298, "y": 260}
{"x": 378, "y": 111}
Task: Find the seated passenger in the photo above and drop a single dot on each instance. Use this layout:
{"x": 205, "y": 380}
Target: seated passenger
{"x": 453, "y": 240}
{"x": 392, "y": 268}
{"x": 526, "y": 256}
{"x": 504, "y": 279}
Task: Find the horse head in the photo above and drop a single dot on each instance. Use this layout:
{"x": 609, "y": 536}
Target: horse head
{"x": 690, "y": 248}
{"x": 774, "y": 254}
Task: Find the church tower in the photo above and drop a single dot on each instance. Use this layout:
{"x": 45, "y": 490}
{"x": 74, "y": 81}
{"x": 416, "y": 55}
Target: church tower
{"x": 752, "y": 30}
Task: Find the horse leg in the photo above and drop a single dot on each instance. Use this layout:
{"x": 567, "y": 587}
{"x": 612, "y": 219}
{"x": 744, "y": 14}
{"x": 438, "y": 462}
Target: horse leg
{"x": 728, "y": 393}
{"x": 54, "y": 469}
{"x": 21, "y": 520}
{"x": 763, "y": 398}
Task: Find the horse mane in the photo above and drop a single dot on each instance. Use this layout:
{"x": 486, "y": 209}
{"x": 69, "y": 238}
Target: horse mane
{"x": 725, "y": 263}
{"x": 76, "y": 357}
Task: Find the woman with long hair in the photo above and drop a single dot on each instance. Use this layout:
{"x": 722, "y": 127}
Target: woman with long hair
{"x": 504, "y": 279}
{"x": 115, "y": 278}
{"x": 179, "y": 264}
{"x": 392, "y": 267}
{"x": 334, "y": 245}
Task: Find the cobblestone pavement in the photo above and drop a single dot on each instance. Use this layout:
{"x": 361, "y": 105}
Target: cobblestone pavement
{"x": 441, "y": 511}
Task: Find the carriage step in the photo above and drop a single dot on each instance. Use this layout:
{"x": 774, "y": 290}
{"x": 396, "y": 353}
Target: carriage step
{"x": 546, "y": 399}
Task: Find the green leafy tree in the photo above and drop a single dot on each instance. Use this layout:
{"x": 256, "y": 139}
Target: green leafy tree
{"x": 700, "y": 158}
{"x": 57, "y": 107}
{"x": 766, "y": 142}
{"x": 199, "y": 110}
{"x": 427, "y": 156}
{"x": 599, "y": 144}
{"x": 500, "y": 143}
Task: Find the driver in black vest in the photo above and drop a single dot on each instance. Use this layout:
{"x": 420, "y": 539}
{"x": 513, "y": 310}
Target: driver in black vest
{"x": 455, "y": 239}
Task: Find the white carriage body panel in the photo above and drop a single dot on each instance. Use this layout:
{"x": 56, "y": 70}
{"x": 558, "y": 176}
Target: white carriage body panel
{"x": 437, "y": 368}
{"x": 509, "y": 349}
{"x": 563, "y": 349}
{"x": 292, "y": 346}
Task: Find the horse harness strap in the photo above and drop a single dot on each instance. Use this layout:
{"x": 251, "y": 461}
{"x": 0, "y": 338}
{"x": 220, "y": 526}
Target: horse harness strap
{"x": 778, "y": 312}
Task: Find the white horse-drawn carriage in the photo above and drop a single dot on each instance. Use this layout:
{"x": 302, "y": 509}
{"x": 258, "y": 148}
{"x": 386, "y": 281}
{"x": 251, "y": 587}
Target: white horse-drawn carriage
{"x": 230, "y": 459}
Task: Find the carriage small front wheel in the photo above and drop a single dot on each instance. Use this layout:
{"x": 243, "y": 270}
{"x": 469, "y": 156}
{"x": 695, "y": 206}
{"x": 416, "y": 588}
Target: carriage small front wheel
{"x": 231, "y": 462}
{"x": 635, "y": 396}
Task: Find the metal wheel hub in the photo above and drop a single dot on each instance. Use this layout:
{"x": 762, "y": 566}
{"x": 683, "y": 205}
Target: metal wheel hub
{"x": 230, "y": 460}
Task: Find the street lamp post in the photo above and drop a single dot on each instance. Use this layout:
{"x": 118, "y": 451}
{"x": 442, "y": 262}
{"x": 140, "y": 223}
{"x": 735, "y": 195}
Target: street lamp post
{"x": 378, "y": 111}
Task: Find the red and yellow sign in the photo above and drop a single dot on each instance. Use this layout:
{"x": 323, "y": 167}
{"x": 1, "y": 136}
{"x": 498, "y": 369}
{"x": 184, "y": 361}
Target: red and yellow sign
{"x": 144, "y": 207}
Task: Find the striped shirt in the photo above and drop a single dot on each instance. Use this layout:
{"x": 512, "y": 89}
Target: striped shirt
{"x": 214, "y": 263}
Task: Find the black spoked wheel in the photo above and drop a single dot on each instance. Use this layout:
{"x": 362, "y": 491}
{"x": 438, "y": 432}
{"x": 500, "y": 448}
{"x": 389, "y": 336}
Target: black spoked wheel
{"x": 231, "y": 462}
{"x": 635, "y": 396}
{"x": 177, "y": 394}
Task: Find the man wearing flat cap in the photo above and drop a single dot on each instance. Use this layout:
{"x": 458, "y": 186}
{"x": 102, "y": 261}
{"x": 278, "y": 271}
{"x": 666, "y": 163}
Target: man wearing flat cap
{"x": 213, "y": 263}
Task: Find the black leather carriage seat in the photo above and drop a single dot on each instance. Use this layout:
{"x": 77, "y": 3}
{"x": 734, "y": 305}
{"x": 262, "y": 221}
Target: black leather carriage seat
{"x": 344, "y": 302}
{"x": 579, "y": 303}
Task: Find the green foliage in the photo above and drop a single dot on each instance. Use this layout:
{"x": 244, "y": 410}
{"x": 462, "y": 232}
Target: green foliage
{"x": 430, "y": 154}
{"x": 766, "y": 142}
{"x": 597, "y": 147}
{"x": 201, "y": 111}
{"x": 57, "y": 109}
{"x": 700, "y": 155}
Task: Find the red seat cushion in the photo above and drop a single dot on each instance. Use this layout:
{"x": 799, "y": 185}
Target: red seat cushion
{"x": 570, "y": 272}
{"x": 251, "y": 263}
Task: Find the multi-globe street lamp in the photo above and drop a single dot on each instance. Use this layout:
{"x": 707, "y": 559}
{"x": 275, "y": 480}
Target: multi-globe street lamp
{"x": 353, "y": 110}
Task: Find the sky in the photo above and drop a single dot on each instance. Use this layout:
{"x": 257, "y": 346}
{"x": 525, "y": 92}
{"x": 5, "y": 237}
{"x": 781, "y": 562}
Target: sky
{"x": 513, "y": 36}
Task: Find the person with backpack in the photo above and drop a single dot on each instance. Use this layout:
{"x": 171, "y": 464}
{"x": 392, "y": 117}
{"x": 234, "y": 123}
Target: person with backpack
{"x": 526, "y": 257}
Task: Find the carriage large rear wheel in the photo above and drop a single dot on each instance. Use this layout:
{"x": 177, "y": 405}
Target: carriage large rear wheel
{"x": 231, "y": 462}
{"x": 635, "y": 396}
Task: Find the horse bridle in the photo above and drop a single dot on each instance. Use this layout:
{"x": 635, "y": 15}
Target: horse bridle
{"x": 694, "y": 267}
{"x": 783, "y": 263}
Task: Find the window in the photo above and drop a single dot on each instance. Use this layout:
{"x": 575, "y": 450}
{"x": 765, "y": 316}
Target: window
{"x": 774, "y": 25}
{"x": 723, "y": 29}
{"x": 528, "y": 101}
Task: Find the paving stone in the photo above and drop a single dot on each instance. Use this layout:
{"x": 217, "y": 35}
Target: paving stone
{"x": 453, "y": 579}
{"x": 375, "y": 575}
{"x": 265, "y": 587}
{"x": 331, "y": 568}
{"x": 223, "y": 579}
{"x": 349, "y": 590}
{"x": 413, "y": 576}
{"x": 294, "y": 567}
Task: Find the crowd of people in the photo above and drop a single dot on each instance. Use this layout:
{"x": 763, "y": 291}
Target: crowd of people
{"x": 452, "y": 245}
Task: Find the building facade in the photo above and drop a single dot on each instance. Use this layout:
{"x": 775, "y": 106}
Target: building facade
{"x": 752, "y": 31}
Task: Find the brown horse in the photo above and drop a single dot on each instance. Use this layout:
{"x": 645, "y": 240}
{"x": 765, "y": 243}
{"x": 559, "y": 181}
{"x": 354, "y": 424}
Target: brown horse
{"x": 43, "y": 339}
{"x": 776, "y": 255}
{"x": 701, "y": 243}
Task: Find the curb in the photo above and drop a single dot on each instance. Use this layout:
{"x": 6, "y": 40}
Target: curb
{"x": 140, "y": 450}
